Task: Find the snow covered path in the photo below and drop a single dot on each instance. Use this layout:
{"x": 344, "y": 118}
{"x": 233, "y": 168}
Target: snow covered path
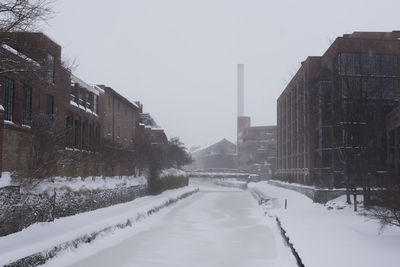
{"x": 216, "y": 227}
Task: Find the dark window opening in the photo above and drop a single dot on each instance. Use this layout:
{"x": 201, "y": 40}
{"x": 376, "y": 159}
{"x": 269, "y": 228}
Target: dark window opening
{"x": 8, "y": 99}
{"x": 50, "y": 68}
{"x": 96, "y": 104}
{"x": 27, "y": 106}
{"x": 49, "y": 105}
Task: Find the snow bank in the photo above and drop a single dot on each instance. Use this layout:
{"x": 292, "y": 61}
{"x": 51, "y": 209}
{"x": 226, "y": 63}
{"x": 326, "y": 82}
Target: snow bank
{"x": 5, "y": 179}
{"x": 45, "y": 238}
{"x": 64, "y": 184}
{"x": 330, "y": 235}
{"x": 172, "y": 172}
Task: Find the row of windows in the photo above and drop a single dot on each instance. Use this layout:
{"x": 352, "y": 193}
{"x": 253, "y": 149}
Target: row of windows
{"x": 367, "y": 64}
{"x": 118, "y": 107}
{"x": 85, "y": 101}
{"x": 9, "y": 94}
{"x": 369, "y": 87}
{"x": 119, "y": 133}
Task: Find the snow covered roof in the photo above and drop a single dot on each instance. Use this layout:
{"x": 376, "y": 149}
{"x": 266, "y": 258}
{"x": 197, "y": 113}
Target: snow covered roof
{"x": 91, "y": 88}
{"x": 21, "y": 55}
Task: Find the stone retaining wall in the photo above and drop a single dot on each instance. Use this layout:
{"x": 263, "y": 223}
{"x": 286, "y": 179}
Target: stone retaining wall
{"x": 19, "y": 210}
{"x": 317, "y": 195}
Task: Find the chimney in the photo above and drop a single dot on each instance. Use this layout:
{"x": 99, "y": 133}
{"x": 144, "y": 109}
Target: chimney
{"x": 240, "y": 90}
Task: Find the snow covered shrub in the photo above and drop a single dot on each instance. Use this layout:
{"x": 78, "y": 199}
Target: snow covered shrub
{"x": 387, "y": 207}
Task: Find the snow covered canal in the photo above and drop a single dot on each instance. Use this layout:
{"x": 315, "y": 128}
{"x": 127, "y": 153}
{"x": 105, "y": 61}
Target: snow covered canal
{"x": 218, "y": 226}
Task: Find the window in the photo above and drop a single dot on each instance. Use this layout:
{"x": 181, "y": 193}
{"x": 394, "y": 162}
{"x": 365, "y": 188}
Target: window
{"x": 27, "y": 106}
{"x": 349, "y": 64}
{"x": 109, "y": 101}
{"x": 76, "y": 136}
{"x": 84, "y": 137}
{"x": 8, "y": 99}
{"x": 109, "y": 128}
{"x": 389, "y": 65}
{"x": 125, "y": 111}
{"x": 72, "y": 93}
{"x": 118, "y": 130}
{"x": 49, "y": 105}
{"x": 87, "y": 99}
{"x": 96, "y": 104}
{"x": 50, "y": 68}
{"x": 118, "y": 106}
{"x": 81, "y": 96}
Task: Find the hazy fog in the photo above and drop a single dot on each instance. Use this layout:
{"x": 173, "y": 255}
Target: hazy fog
{"x": 179, "y": 56}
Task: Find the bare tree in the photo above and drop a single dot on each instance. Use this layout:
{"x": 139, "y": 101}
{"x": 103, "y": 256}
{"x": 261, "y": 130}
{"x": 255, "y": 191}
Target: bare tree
{"x": 387, "y": 207}
{"x": 48, "y": 141}
{"x": 23, "y": 15}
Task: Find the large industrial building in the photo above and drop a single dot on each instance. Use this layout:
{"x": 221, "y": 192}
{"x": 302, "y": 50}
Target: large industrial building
{"x": 332, "y": 115}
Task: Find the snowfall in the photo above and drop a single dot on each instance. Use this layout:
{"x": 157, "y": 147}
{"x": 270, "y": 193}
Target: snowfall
{"x": 218, "y": 226}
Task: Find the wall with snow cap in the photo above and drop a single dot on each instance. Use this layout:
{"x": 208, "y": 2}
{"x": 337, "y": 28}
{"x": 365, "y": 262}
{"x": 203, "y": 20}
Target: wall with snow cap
{"x": 19, "y": 210}
{"x": 317, "y": 195}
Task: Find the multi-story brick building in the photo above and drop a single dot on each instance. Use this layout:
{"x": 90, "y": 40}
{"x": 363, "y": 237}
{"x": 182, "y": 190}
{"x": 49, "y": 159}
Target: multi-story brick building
{"x": 32, "y": 82}
{"x": 331, "y": 115}
{"x": 119, "y": 117}
{"x": 82, "y": 118}
{"x": 35, "y": 85}
{"x": 256, "y": 147}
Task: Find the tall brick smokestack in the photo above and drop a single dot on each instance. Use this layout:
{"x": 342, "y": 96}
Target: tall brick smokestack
{"x": 240, "y": 90}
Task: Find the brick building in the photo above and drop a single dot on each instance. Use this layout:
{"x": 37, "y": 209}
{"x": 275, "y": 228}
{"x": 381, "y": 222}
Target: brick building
{"x": 393, "y": 143}
{"x": 334, "y": 108}
{"x": 82, "y": 118}
{"x": 119, "y": 117}
{"x": 151, "y": 131}
{"x": 32, "y": 82}
{"x": 221, "y": 155}
{"x": 256, "y": 147}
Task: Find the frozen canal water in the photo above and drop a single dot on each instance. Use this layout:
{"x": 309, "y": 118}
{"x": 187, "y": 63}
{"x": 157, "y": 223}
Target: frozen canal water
{"x": 216, "y": 227}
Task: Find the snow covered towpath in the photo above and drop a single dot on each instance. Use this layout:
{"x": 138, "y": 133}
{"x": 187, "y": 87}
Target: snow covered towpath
{"x": 218, "y": 226}
{"x": 331, "y": 235}
{"x": 40, "y": 241}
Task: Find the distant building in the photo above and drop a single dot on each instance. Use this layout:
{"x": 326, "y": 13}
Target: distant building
{"x": 256, "y": 148}
{"x": 152, "y": 132}
{"x": 334, "y": 110}
{"x": 221, "y": 155}
{"x": 119, "y": 117}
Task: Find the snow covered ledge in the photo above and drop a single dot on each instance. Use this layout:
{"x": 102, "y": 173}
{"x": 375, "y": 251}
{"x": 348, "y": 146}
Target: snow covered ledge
{"x": 316, "y": 194}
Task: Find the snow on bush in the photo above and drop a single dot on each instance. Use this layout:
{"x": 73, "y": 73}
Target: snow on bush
{"x": 76, "y": 184}
{"x": 172, "y": 172}
{"x": 5, "y": 179}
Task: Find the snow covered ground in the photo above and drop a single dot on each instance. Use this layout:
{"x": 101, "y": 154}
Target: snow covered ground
{"x": 219, "y": 226}
{"x": 42, "y": 236}
{"x": 331, "y": 235}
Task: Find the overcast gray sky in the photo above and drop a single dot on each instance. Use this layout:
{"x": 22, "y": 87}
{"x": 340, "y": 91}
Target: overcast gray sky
{"x": 179, "y": 57}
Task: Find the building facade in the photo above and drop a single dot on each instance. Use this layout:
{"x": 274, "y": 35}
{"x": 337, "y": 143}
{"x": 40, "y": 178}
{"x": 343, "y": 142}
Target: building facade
{"x": 331, "y": 116}
{"x": 33, "y": 84}
{"x": 36, "y": 87}
{"x": 256, "y": 148}
{"x": 221, "y": 155}
{"x": 120, "y": 118}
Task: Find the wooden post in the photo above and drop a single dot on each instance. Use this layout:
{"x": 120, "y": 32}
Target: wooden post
{"x": 285, "y": 204}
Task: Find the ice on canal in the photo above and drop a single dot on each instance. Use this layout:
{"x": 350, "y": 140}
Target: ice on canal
{"x": 218, "y": 226}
